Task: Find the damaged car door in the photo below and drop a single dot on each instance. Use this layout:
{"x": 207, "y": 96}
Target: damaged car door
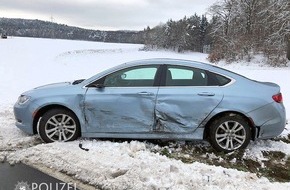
{"x": 123, "y": 101}
{"x": 185, "y": 98}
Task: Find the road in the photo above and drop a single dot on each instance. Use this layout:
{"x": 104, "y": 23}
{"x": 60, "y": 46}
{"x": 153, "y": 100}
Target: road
{"x": 23, "y": 177}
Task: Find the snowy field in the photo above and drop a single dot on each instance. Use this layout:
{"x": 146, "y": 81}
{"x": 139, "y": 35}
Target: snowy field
{"x": 26, "y": 63}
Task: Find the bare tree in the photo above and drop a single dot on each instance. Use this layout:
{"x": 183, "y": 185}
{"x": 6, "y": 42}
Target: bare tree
{"x": 276, "y": 26}
{"x": 288, "y": 48}
{"x": 243, "y": 28}
{"x": 223, "y": 32}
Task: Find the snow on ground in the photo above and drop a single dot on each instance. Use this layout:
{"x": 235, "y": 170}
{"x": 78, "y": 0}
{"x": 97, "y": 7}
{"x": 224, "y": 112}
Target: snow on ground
{"x": 131, "y": 166}
{"x": 10, "y": 138}
{"x": 26, "y": 63}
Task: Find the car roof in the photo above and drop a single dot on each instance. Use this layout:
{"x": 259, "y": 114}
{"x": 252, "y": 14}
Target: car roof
{"x": 170, "y": 61}
{"x": 165, "y": 61}
{"x": 183, "y": 62}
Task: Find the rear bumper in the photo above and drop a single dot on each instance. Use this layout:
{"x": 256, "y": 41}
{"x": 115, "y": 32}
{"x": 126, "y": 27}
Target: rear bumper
{"x": 270, "y": 119}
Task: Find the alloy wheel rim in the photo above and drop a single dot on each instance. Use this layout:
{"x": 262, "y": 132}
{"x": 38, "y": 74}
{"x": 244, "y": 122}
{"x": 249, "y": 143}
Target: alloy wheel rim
{"x": 60, "y": 127}
{"x": 230, "y": 135}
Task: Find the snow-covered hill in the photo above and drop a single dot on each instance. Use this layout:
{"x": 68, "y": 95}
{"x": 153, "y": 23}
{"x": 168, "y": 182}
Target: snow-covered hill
{"x": 26, "y": 63}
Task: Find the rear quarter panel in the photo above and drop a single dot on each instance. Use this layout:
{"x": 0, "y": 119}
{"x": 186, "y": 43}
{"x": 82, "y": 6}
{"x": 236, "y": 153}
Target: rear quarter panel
{"x": 254, "y": 100}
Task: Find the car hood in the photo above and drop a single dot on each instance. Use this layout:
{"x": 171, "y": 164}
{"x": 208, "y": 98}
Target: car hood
{"x": 55, "y": 89}
{"x": 61, "y": 84}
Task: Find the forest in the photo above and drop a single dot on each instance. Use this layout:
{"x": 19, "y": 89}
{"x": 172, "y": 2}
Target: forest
{"x": 46, "y": 29}
{"x": 237, "y": 30}
{"x": 231, "y": 30}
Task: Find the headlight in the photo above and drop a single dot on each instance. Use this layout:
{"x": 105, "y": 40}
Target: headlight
{"x": 23, "y": 99}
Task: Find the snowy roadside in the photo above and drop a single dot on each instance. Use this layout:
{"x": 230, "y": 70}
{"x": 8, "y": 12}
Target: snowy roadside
{"x": 109, "y": 165}
{"x": 11, "y": 138}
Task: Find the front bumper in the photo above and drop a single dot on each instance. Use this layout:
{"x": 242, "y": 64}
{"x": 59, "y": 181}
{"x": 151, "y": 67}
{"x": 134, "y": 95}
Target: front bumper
{"x": 24, "y": 116}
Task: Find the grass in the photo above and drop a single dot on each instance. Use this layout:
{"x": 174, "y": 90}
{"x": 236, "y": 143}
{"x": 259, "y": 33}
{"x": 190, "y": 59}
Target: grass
{"x": 275, "y": 166}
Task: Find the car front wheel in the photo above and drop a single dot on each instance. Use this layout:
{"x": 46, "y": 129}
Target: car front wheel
{"x": 229, "y": 133}
{"x": 59, "y": 125}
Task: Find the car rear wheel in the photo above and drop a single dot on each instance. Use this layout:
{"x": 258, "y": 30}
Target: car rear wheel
{"x": 229, "y": 133}
{"x": 59, "y": 125}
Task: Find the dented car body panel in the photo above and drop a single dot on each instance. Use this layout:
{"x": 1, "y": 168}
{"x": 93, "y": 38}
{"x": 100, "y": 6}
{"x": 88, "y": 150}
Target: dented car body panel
{"x": 116, "y": 109}
{"x": 156, "y": 99}
{"x": 182, "y": 109}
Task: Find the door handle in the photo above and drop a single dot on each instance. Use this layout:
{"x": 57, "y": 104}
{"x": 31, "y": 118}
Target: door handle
{"x": 206, "y": 94}
{"x": 146, "y": 93}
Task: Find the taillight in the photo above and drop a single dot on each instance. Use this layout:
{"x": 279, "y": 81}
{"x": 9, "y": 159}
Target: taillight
{"x": 278, "y": 98}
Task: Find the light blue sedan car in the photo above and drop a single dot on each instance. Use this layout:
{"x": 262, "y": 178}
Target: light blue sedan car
{"x": 156, "y": 99}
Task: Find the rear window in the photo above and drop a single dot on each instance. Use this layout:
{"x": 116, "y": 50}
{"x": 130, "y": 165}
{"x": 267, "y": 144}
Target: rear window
{"x": 185, "y": 76}
{"x": 222, "y": 80}
{"x": 218, "y": 80}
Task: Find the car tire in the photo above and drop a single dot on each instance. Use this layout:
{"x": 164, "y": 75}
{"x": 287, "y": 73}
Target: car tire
{"x": 229, "y": 133}
{"x": 59, "y": 125}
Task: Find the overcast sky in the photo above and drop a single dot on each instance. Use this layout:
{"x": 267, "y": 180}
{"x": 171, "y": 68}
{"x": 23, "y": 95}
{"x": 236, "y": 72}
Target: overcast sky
{"x": 104, "y": 14}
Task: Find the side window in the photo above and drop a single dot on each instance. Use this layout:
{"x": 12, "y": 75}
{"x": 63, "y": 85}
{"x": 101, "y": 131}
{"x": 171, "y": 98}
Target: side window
{"x": 132, "y": 77}
{"x": 185, "y": 76}
{"x": 178, "y": 73}
{"x": 215, "y": 79}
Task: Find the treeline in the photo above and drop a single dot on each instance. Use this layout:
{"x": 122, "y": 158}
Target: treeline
{"x": 238, "y": 30}
{"x": 191, "y": 33}
{"x": 43, "y": 29}
{"x": 244, "y": 28}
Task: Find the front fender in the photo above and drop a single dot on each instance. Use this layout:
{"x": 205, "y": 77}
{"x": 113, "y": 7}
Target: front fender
{"x": 73, "y": 103}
